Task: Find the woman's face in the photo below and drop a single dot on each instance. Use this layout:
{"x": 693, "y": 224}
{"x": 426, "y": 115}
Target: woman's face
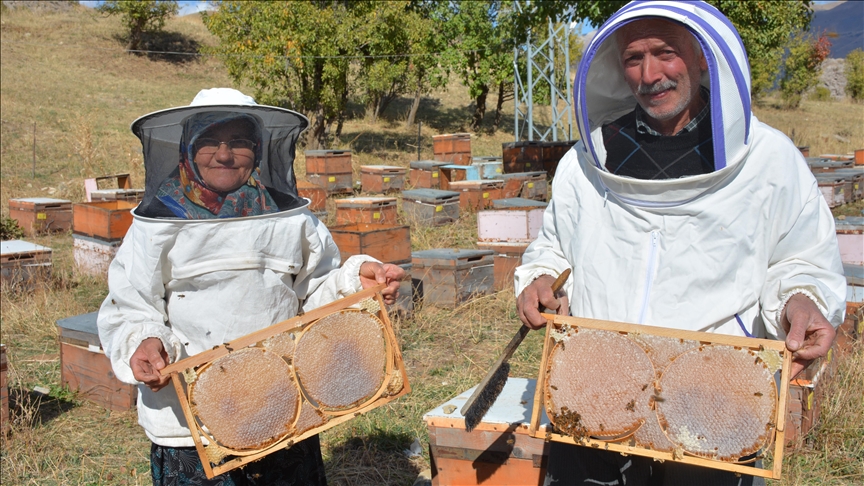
{"x": 224, "y": 156}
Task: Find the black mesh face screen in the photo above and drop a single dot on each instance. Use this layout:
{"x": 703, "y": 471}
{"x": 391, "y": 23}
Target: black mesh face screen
{"x": 161, "y": 134}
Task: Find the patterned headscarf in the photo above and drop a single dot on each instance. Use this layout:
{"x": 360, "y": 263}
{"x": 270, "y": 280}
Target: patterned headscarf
{"x": 188, "y": 196}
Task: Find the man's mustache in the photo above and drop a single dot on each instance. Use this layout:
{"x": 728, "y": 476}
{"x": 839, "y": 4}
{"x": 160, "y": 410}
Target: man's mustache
{"x": 656, "y": 87}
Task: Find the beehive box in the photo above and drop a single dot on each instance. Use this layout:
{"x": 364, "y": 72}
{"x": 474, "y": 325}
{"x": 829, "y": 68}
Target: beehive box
{"x": 552, "y": 154}
{"x": 328, "y": 162}
{"x": 854, "y": 282}
{"x": 425, "y": 174}
{"x": 490, "y": 169}
{"x": 477, "y": 195}
{"x": 109, "y": 184}
{"x": 850, "y": 238}
{"x": 134, "y": 195}
{"x": 499, "y": 451}
{"x": 852, "y": 328}
{"x": 455, "y": 173}
{"x": 275, "y": 387}
{"x": 854, "y": 177}
{"x": 832, "y": 188}
{"x": 454, "y": 148}
{"x": 404, "y": 306}
{"x": 38, "y": 215}
{"x": 23, "y": 263}
{"x": 513, "y": 220}
{"x": 522, "y": 157}
{"x": 818, "y": 164}
{"x": 654, "y": 392}
{"x": 93, "y": 256}
{"x": 508, "y": 256}
{"x": 378, "y": 179}
{"x": 805, "y": 150}
{"x": 4, "y": 392}
{"x": 527, "y": 185}
{"x": 316, "y": 195}
{"x": 806, "y": 394}
{"x": 85, "y": 368}
{"x": 448, "y": 277}
{"x": 373, "y": 210}
{"x": 859, "y": 157}
{"x": 330, "y": 170}
{"x": 388, "y": 243}
{"x": 837, "y": 156}
{"x": 105, "y": 220}
{"x": 431, "y": 206}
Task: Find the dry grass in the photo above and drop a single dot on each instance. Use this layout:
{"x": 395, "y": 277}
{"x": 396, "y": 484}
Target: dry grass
{"x": 64, "y": 71}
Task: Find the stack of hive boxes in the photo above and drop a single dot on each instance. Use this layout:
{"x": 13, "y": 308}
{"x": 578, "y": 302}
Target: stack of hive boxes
{"x": 447, "y": 277}
{"x": 840, "y": 177}
{"x": 330, "y": 170}
{"x": 453, "y": 148}
{"x": 98, "y": 229}
{"x": 507, "y": 229}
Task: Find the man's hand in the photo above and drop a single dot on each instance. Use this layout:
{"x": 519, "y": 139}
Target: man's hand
{"x": 372, "y": 274}
{"x": 537, "y": 294}
{"x": 808, "y": 334}
{"x": 147, "y": 360}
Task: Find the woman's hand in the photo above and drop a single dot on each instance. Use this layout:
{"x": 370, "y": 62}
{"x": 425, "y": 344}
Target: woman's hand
{"x": 147, "y": 360}
{"x": 372, "y": 274}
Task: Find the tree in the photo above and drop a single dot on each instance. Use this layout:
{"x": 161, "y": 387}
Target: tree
{"x": 854, "y": 71}
{"x": 802, "y": 66}
{"x": 140, "y": 16}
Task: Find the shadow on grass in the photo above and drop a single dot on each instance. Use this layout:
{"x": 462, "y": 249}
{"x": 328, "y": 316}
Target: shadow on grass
{"x": 172, "y": 47}
{"x": 376, "y": 458}
{"x": 34, "y": 408}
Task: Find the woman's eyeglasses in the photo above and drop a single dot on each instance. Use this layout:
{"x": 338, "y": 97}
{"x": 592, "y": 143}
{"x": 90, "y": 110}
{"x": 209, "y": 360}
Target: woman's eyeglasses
{"x": 206, "y": 146}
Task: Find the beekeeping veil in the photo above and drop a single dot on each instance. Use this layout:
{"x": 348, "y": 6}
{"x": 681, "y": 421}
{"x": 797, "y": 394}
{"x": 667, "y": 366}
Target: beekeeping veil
{"x": 161, "y": 135}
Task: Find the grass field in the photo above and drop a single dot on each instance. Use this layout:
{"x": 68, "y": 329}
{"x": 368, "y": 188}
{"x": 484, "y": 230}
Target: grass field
{"x": 65, "y": 74}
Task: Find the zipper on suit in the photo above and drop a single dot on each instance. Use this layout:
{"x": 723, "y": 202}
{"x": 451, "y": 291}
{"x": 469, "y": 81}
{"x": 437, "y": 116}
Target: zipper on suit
{"x": 649, "y": 275}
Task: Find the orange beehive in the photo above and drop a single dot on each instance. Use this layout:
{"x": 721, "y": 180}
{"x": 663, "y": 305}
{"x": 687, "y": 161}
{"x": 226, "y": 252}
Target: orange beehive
{"x": 106, "y": 220}
{"x": 38, "y": 215}
{"x": 552, "y": 154}
{"x": 316, "y": 195}
{"x": 454, "y": 148}
{"x": 477, "y": 195}
{"x": 527, "y": 185}
{"x": 379, "y": 179}
{"x": 387, "y": 242}
{"x": 425, "y": 174}
{"x": 85, "y": 368}
{"x": 373, "y": 210}
{"x": 330, "y": 170}
{"x": 522, "y": 156}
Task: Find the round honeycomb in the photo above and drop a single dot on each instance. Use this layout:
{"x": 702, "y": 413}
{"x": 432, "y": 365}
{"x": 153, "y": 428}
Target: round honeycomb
{"x": 340, "y": 359}
{"x": 718, "y": 402}
{"x": 281, "y": 344}
{"x": 651, "y": 436}
{"x": 247, "y": 399}
{"x": 309, "y": 418}
{"x": 662, "y": 350}
{"x": 598, "y": 384}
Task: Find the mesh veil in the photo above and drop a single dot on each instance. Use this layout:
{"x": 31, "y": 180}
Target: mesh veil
{"x": 161, "y": 132}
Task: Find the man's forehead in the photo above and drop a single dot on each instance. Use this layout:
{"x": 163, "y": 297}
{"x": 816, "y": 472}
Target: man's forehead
{"x": 664, "y": 30}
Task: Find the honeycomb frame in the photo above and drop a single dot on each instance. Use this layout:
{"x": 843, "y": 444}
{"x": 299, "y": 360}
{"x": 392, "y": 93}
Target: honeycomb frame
{"x": 217, "y": 458}
{"x": 764, "y": 350}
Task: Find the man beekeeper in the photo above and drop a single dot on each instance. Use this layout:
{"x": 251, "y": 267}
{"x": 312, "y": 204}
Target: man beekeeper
{"x": 678, "y": 208}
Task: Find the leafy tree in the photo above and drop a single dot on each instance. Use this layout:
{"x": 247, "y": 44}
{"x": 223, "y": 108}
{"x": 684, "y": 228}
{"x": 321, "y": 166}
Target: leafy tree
{"x": 854, "y": 70}
{"x": 140, "y": 16}
{"x": 801, "y": 68}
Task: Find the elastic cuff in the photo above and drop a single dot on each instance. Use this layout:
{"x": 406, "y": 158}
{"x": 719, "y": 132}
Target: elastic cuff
{"x": 788, "y": 295}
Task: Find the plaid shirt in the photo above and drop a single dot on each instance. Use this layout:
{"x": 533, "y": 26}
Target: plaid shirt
{"x": 643, "y": 127}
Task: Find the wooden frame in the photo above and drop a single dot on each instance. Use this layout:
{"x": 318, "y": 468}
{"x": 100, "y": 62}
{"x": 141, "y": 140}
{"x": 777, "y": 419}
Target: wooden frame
{"x": 622, "y": 445}
{"x": 395, "y": 373}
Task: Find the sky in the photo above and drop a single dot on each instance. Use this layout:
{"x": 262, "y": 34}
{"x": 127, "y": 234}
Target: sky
{"x": 186, "y": 6}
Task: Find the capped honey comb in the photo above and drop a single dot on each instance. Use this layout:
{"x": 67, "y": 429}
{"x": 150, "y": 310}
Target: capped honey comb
{"x": 309, "y": 418}
{"x": 598, "y": 384}
{"x": 340, "y": 360}
{"x": 246, "y": 399}
{"x": 718, "y": 415}
{"x": 661, "y": 349}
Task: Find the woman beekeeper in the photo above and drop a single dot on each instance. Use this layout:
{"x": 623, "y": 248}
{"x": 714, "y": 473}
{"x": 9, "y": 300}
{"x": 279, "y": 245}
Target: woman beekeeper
{"x": 221, "y": 246}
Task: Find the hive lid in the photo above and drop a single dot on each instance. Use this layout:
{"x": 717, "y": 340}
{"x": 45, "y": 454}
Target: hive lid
{"x": 427, "y": 164}
{"x": 382, "y": 168}
{"x": 523, "y": 175}
{"x": 41, "y": 200}
{"x": 13, "y": 247}
{"x": 326, "y": 152}
{"x": 517, "y": 202}
{"x": 850, "y": 225}
{"x": 513, "y": 406}
{"x": 482, "y": 184}
{"x": 449, "y": 257}
{"x": 827, "y": 177}
{"x": 430, "y": 196}
{"x": 486, "y": 159}
{"x": 524, "y": 143}
{"x": 854, "y": 274}
{"x": 452, "y": 135}
{"x": 365, "y": 201}
{"x": 80, "y": 330}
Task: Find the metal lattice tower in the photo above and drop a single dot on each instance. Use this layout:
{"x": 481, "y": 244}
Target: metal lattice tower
{"x": 540, "y": 70}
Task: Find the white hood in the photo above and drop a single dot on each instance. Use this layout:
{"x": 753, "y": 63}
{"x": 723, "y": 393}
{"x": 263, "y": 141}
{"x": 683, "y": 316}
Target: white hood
{"x": 602, "y": 95}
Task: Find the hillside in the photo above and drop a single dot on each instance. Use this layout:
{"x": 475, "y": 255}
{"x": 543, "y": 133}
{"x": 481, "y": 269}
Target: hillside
{"x": 846, "y": 20}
